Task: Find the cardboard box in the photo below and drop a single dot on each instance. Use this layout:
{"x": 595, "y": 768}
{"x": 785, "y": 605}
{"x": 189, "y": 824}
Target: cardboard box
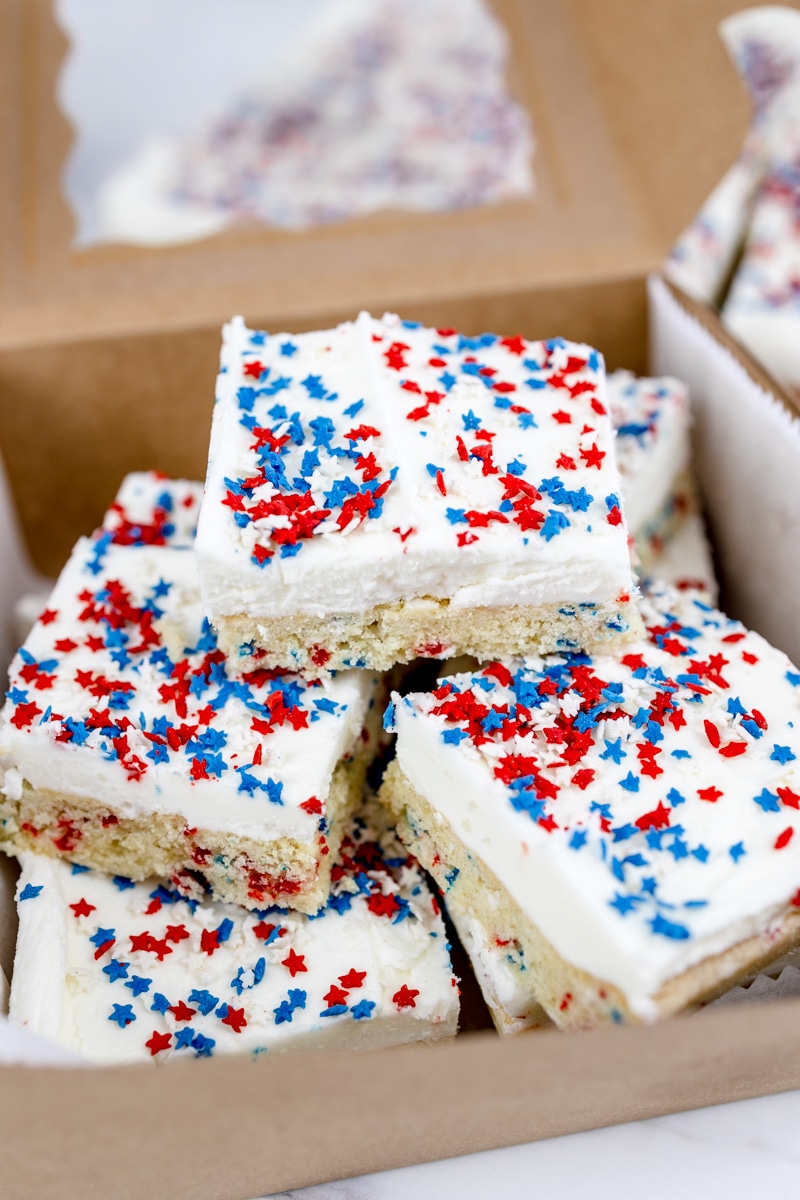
{"x": 107, "y": 360}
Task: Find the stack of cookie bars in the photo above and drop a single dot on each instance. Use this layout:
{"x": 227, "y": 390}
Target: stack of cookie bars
{"x": 601, "y": 780}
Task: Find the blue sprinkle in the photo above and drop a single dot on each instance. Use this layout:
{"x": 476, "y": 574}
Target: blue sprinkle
{"x": 614, "y": 751}
{"x": 362, "y": 1010}
{"x": 123, "y": 1014}
{"x": 29, "y": 892}
{"x": 116, "y": 970}
{"x": 669, "y": 929}
{"x": 138, "y": 984}
{"x": 554, "y": 523}
{"x": 782, "y": 754}
{"x": 203, "y": 1045}
{"x": 737, "y": 851}
{"x": 768, "y": 801}
{"x": 624, "y": 904}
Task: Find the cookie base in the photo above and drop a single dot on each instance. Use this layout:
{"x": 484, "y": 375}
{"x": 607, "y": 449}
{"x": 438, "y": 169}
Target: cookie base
{"x": 197, "y": 862}
{"x": 423, "y": 628}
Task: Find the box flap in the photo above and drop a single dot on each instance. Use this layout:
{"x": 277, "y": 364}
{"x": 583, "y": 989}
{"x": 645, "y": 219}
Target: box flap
{"x": 636, "y": 113}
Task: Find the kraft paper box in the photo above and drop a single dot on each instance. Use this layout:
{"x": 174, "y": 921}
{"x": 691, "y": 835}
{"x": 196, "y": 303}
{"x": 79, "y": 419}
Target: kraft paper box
{"x": 107, "y": 362}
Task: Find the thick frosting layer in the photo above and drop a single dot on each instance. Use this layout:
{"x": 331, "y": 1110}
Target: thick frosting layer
{"x": 641, "y": 810}
{"x": 651, "y": 422}
{"x": 151, "y": 509}
{"x": 121, "y": 694}
{"x": 122, "y": 971}
{"x": 381, "y": 460}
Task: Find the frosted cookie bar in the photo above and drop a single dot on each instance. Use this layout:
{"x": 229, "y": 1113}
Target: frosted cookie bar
{"x": 627, "y": 823}
{"x": 382, "y": 491}
{"x": 126, "y": 745}
{"x": 152, "y": 509}
{"x": 763, "y": 305}
{"x": 149, "y": 509}
{"x": 121, "y": 971}
{"x": 499, "y": 966}
{"x": 686, "y": 561}
{"x": 651, "y": 424}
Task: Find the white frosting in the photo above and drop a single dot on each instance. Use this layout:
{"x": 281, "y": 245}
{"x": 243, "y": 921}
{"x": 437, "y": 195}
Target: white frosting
{"x": 85, "y": 975}
{"x": 651, "y": 422}
{"x": 240, "y": 757}
{"x": 423, "y": 406}
{"x": 632, "y": 905}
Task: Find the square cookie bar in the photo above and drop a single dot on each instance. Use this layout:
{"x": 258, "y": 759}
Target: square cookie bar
{"x": 382, "y": 491}
{"x": 152, "y": 509}
{"x": 121, "y": 971}
{"x": 125, "y": 745}
{"x": 625, "y": 824}
{"x": 685, "y": 561}
{"x": 652, "y": 423}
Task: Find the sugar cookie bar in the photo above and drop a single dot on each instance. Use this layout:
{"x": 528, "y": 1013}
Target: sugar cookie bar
{"x": 121, "y": 971}
{"x": 686, "y": 561}
{"x": 382, "y": 491}
{"x": 152, "y": 509}
{"x": 627, "y": 822}
{"x": 499, "y": 966}
{"x": 651, "y": 425}
{"x": 126, "y": 745}
{"x": 762, "y": 307}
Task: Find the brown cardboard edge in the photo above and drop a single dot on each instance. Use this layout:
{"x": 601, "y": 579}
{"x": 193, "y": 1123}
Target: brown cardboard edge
{"x": 710, "y": 320}
{"x": 234, "y": 1128}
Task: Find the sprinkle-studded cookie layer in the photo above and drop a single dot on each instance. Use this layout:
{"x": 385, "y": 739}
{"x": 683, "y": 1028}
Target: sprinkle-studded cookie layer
{"x": 126, "y": 744}
{"x": 122, "y": 971}
{"x": 637, "y": 815}
{"x": 378, "y": 489}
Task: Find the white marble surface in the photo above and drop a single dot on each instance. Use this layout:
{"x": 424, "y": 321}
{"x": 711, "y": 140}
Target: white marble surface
{"x": 747, "y": 1149}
